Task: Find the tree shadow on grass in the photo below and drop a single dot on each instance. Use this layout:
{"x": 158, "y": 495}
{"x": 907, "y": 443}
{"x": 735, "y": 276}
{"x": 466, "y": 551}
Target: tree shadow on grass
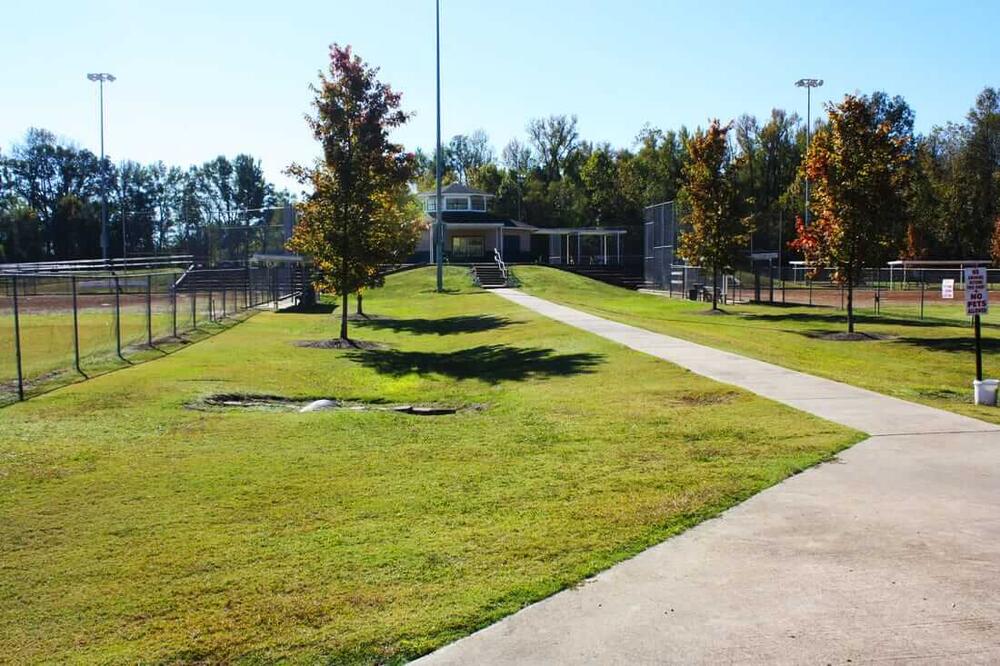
{"x": 444, "y": 326}
{"x": 318, "y": 308}
{"x": 959, "y": 343}
{"x": 840, "y": 318}
{"x": 490, "y": 363}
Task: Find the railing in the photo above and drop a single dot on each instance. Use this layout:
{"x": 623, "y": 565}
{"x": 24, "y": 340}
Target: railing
{"x": 57, "y": 328}
{"x": 101, "y": 265}
{"x": 499, "y": 259}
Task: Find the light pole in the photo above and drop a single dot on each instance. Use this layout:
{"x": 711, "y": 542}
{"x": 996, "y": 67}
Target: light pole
{"x": 520, "y": 194}
{"x": 439, "y": 236}
{"x": 101, "y": 78}
{"x": 808, "y": 84}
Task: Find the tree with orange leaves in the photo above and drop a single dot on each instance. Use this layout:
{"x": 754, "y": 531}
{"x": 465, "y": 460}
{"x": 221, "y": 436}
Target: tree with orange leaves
{"x": 360, "y": 213}
{"x": 714, "y": 234}
{"x": 860, "y": 167}
{"x": 995, "y": 242}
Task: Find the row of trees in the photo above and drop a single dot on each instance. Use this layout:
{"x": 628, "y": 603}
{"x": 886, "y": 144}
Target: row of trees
{"x": 50, "y": 203}
{"x": 553, "y": 177}
{"x": 880, "y": 192}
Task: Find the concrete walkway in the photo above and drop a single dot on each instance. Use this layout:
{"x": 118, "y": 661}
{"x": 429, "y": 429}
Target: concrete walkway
{"x": 892, "y": 553}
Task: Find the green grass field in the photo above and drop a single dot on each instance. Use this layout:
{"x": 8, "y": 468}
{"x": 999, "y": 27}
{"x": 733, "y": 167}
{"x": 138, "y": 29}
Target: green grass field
{"x": 47, "y": 358}
{"x": 136, "y": 529}
{"x": 929, "y": 361}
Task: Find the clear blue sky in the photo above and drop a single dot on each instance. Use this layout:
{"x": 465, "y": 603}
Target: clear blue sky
{"x": 198, "y": 79}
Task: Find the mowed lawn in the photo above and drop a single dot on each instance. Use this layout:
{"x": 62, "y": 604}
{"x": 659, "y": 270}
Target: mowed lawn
{"x": 136, "y": 529}
{"x": 930, "y": 361}
{"x": 47, "y": 357}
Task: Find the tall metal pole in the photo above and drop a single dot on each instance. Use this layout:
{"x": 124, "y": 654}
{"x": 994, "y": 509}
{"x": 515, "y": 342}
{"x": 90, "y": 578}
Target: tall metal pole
{"x": 439, "y": 235}
{"x": 808, "y": 134}
{"x": 105, "y": 241}
{"x": 808, "y": 84}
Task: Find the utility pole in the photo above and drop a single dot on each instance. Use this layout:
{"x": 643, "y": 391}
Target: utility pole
{"x": 808, "y": 84}
{"x": 439, "y": 235}
{"x": 101, "y": 77}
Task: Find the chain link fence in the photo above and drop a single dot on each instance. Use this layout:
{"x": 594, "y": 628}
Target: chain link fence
{"x": 917, "y": 293}
{"x": 59, "y": 328}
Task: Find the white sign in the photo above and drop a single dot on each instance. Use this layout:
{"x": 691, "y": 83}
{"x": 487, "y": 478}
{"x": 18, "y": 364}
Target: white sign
{"x": 977, "y": 298}
{"x": 948, "y": 288}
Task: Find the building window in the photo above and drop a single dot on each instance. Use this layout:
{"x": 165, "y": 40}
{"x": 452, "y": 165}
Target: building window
{"x": 478, "y": 202}
{"x": 457, "y": 203}
{"x": 467, "y": 246}
{"x": 431, "y": 204}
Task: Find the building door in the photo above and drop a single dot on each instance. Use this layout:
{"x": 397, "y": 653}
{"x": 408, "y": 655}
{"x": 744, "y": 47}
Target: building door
{"x": 511, "y": 248}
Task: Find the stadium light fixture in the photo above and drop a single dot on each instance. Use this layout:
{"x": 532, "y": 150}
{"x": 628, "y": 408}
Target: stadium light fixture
{"x": 808, "y": 84}
{"x": 100, "y": 78}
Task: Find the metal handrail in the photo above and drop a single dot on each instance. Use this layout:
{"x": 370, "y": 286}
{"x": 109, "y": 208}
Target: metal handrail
{"x": 502, "y": 266}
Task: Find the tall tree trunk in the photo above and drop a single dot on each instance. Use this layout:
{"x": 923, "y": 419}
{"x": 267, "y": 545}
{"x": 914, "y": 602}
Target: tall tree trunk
{"x": 360, "y": 308}
{"x": 715, "y": 287}
{"x": 850, "y": 301}
{"x": 343, "y": 317}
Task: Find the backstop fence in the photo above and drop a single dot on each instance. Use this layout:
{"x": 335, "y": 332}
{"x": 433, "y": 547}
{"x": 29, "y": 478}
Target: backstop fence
{"x": 56, "y": 328}
{"x": 660, "y": 228}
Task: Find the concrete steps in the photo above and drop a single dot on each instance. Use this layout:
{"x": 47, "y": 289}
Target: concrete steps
{"x": 488, "y": 276}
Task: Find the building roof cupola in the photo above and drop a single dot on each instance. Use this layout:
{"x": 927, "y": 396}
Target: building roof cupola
{"x": 457, "y": 197}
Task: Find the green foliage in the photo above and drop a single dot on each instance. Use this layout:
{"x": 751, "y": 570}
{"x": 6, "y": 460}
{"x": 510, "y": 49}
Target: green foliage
{"x": 765, "y": 172}
{"x": 160, "y": 209}
{"x": 861, "y": 166}
{"x": 714, "y": 235}
{"x": 359, "y": 214}
{"x": 956, "y": 192}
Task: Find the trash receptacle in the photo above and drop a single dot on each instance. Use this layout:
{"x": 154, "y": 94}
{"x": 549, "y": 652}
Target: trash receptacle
{"x": 985, "y": 391}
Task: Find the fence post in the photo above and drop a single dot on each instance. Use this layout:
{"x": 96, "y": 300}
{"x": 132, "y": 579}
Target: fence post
{"x": 810, "y": 283}
{"x": 76, "y": 328}
{"x": 118, "y": 319}
{"x": 247, "y": 289}
{"x": 923, "y": 286}
{"x": 274, "y": 287}
{"x": 194, "y": 309}
{"x": 149, "y": 310}
{"x": 17, "y": 343}
{"x": 173, "y": 308}
{"x": 223, "y": 301}
{"x": 211, "y": 306}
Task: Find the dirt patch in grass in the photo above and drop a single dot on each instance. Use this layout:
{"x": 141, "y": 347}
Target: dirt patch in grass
{"x": 706, "y": 398}
{"x": 713, "y": 313}
{"x": 340, "y": 343}
{"x": 267, "y": 402}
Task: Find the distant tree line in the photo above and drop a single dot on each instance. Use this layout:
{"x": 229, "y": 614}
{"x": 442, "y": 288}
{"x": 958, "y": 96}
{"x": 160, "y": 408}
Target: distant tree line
{"x": 554, "y": 177}
{"x": 50, "y": 203}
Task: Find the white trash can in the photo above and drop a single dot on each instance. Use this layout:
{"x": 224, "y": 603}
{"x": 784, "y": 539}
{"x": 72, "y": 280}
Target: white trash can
{"x": 985, "y": 391}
